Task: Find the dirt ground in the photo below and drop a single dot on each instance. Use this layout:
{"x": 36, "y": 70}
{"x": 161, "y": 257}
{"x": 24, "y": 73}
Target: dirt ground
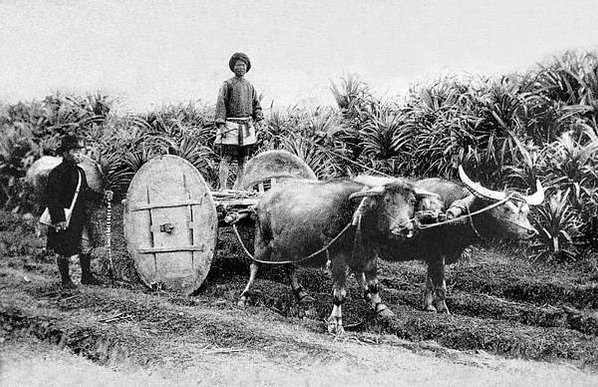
{"x": 514, "y": 323}
{"x": 29, "y": 362}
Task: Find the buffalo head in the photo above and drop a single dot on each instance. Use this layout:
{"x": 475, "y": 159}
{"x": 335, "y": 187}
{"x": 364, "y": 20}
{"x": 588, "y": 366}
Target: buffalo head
{"x": 393, "y": 202}
{"x": 509, "y": 219}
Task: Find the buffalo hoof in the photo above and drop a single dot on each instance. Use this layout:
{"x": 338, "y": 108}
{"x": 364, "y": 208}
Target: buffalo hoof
{"x": 430, "y": 308}
{"x": 442, "y": 308}
{"x": 243, "y": 302}
{"x": 383, "y": 311}
{"x": 335, "y": 328}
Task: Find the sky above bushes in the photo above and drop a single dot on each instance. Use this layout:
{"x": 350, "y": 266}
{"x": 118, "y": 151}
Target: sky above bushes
{"x": 153, "y": 52}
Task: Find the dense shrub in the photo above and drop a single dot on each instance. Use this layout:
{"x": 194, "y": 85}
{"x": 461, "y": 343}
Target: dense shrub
{"x": 507, "y": 131}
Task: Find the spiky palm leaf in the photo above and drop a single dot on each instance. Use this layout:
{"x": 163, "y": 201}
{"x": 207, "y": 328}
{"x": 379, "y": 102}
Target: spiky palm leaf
{"x": 442, "y": 123}
{"x": 500, "y": 130}
{"x": 531, "y": 166}
{"x": 572, "y": 165}
{"x": 380, "y": 137}
{"x": 317, "y": 157}
{"x": 350, "y": 94}
{"x": 202, "y": 157}
{"x": 278, "y": 125}
{"x": 559, "y": 227}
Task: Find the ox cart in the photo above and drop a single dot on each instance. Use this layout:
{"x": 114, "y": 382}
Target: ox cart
{"x": 171, "y": 216}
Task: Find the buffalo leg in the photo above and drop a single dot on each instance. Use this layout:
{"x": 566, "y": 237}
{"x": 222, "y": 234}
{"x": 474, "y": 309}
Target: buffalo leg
{"x": 339, "y": 278}
{"x": 363, "y": 285}
{"x": 300, "y": 293}
{"x": 245, "y": 294}
{"x": 371, "y": 276}
{"x": 436, "y": 287}
{"x": 429, "y": 295}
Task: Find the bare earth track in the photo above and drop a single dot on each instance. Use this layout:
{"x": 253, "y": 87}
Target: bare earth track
{"x": 508, "y": 315}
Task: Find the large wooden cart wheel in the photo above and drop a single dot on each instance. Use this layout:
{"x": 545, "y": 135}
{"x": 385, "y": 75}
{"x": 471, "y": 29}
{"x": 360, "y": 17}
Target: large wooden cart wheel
{"x": 274, "y": 164}
{"x": 170, "y": 224}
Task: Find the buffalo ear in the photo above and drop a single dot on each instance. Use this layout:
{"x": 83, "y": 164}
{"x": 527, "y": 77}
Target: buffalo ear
{"x": 367, "y": 192}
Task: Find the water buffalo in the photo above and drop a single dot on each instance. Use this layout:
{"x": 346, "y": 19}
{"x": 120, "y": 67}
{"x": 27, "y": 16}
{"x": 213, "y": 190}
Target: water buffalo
{"x": 437, "y": 246}
{"x": 298, "y": 217}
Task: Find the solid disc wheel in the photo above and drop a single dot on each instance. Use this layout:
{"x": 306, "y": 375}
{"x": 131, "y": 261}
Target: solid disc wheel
{"x": 170, "y": 224}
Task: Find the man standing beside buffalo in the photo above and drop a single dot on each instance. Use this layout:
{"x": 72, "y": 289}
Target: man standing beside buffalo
{"x": 67, "y": 189}
{"x": 237, "y": 108}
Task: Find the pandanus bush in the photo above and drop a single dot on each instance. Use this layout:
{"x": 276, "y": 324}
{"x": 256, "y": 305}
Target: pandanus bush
{"x": 558, "y": 229}
{"x": 17, "y": 153}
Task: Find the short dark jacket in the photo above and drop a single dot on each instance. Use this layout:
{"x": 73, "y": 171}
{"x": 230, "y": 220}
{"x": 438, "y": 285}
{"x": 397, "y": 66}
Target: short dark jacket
{"x": 62, "y": 183}
{"x": 237, "y": 98}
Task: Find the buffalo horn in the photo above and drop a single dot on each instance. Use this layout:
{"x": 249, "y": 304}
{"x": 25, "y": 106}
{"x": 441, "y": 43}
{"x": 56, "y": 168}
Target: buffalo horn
{"x": 373, "y": 191}
{"x": 538, "y": 197}
{"x": 478, "y": 189}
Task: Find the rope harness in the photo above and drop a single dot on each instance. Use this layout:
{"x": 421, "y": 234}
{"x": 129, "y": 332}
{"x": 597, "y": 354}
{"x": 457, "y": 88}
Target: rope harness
{"x": 355, "y": 221}
{"x": 323, "y": 249}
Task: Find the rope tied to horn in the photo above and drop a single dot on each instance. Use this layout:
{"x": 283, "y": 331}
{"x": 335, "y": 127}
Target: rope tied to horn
{"x": 468, "y": 214}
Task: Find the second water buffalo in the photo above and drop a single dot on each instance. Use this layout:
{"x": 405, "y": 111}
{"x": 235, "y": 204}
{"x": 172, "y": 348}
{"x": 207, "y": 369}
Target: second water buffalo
{"x": 473, "y": 212}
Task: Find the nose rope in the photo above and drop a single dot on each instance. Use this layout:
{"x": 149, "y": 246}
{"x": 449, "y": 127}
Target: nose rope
{"x": 403, "y": 225}
{"x": 400, "y": 224}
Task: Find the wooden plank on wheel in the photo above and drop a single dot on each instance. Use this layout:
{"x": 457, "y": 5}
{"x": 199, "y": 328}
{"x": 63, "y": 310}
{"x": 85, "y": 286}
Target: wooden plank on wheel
{"x": 171, "y": 217}
{"x": 153, "y": 250}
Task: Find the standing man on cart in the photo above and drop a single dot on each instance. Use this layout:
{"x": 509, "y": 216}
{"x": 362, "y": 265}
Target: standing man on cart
{"x": 237, "y": 108}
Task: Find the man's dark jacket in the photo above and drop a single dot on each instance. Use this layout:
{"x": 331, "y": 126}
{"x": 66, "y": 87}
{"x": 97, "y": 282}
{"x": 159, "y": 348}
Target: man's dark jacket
{"x": 62, "y": 183}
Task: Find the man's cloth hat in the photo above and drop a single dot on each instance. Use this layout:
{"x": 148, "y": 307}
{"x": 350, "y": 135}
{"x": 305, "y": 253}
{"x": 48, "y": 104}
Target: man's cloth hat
{"x": 69, "y": 141}
{"x": 238, "y": 56}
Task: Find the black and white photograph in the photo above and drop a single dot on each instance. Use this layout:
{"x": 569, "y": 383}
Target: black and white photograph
{"x": 298, "y": 193}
